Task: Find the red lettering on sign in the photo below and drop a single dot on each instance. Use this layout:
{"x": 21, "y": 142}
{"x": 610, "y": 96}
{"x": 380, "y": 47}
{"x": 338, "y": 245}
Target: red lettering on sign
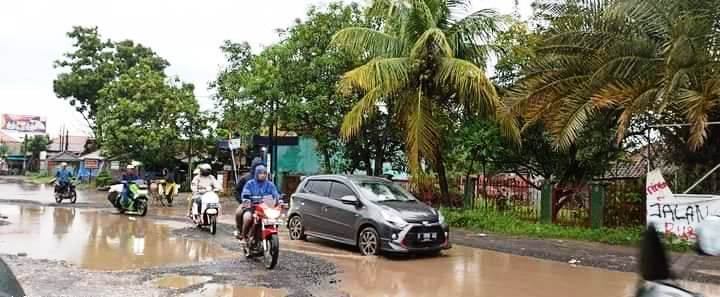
{"x": 656, "y": 187}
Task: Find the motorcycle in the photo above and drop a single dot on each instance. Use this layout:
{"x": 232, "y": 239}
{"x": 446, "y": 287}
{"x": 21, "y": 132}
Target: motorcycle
{"x": 163, "y": 191}
{"x": 657, "y": 278}
{"x": 263, "y": 239}
{"x": 65, "y": 193}
{"x": 139, "y": 204}
{"x": 206, "y": 212}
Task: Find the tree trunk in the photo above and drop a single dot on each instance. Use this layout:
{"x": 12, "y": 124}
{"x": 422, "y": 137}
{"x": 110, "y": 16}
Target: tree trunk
{"x": 379, "y": 158}
{"x": 326, "y": 160}
{"x": 442, "y": 175}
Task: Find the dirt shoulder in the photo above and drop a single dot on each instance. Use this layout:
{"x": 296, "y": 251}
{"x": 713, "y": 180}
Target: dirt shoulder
{"x": 617, "y": 258}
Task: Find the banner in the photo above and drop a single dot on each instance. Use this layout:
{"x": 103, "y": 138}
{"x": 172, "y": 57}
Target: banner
{"x": 677, "y": 214}
{"x": 23, "y": 123}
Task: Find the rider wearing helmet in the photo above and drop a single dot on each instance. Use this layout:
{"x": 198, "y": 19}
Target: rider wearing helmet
{"x": 201, "y": 183}
{"x": 128, "y": 177}
{"x": 63, "y": 177}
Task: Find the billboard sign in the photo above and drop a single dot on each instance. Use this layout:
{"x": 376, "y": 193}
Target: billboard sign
{"x": 23, "y": 123}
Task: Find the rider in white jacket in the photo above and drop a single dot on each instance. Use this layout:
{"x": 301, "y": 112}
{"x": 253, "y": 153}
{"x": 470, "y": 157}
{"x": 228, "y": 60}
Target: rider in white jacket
{"x": 200, "y": 184}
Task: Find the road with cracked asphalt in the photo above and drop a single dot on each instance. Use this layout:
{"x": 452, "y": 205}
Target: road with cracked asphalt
{"x": 86, "y": 249}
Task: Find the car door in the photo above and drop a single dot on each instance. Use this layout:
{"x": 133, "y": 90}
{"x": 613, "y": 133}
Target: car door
{"x": 343, "y": 217}
{"x": 315, "y": 196}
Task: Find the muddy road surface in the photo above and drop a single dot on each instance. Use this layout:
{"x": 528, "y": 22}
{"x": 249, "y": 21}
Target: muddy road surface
{"x": 88, "y": 250}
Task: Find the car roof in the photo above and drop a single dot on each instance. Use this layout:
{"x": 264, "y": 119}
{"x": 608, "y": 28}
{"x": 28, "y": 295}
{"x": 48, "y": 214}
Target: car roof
{"x": 346, "y": 177}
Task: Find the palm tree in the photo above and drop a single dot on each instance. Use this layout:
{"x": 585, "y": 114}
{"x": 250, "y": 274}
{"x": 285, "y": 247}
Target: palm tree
{"x": 624, "y": 61}
{"x": 423, "y": 61}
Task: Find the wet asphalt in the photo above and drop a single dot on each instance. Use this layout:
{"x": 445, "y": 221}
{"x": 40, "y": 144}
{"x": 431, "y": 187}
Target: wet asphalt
{"x": 87, "y": 250}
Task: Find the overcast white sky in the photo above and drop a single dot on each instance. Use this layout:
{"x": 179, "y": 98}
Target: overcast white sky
{"x": 186, "y": 33}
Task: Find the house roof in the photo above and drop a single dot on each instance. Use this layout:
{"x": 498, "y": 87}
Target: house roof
{"x": 65, "y": 157}
{"x": 96, "y": 155}
{"x": 7, "y": 138}
{"x": 75, "y": 144}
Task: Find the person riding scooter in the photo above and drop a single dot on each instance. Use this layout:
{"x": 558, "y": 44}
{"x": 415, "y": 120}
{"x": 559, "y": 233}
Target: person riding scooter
{"x": 201, "y": 183}
{"x": 128, "y": 177}
{"x": 63, "y": 177}
{"x": 259, "y": 186}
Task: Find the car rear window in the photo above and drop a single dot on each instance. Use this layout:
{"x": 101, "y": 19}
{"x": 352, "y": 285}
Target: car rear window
{"x": 318, "y": 187}
{"x": 340, "y": 190}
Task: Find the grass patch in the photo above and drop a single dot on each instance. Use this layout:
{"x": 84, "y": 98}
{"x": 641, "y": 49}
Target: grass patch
{"x": 494, "y": 222}
{"x": 41, "y": 177}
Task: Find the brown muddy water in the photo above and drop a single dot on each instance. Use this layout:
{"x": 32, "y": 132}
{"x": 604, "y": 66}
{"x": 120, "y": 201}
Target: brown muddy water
{"x": 221, "y": 290}
{"x": 97, "y": 240}
{"x": 464, "y": 271}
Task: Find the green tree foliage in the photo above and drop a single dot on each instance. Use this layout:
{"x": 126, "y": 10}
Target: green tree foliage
{"x": 299, "y": 76}
{"x": 35, "y": 145}
{"x": 4, "y": 149}
{"x": 623, "y": 61}
{"x": 424, "y": 62}
{"x": 93, "y": 64}
{"x": 145, "y": 116}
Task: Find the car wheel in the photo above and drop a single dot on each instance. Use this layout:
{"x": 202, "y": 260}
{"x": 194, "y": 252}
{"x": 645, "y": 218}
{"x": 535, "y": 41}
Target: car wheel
{"x": 369, "y": 242}
{"x": 297, "y": 230}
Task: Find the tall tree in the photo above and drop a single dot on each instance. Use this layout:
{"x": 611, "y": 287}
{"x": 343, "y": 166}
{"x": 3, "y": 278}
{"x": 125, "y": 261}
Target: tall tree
{"x": 299, "y": 76}
{"x": 624, "y": 61}
{"x": 145, "y": 116}
{"x": 425, "y": 61}
{"x": 35, "y": 145}
{"x": 92, "y": 65}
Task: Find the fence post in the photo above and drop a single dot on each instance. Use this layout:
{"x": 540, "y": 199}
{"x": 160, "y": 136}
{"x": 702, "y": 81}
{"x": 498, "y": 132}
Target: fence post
{"x": 546, "y": 204}
{"x": 597, "y": 205}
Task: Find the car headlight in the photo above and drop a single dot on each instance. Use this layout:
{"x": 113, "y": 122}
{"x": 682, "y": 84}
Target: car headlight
{"x": 441, "y": 218}
{"x": 394, "y": 218}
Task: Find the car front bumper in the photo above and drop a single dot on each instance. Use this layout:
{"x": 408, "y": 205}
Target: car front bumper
{"x": 407, "y": 239}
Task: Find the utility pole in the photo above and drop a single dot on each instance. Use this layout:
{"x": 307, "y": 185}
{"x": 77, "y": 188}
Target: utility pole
{"x": 190, "y": 145}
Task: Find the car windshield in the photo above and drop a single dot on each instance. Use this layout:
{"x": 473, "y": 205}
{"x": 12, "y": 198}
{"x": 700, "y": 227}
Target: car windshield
{"x": 379, "y": 191}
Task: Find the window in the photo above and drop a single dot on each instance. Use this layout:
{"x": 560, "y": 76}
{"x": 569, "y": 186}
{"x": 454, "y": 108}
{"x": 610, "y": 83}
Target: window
{"x": 384, "y": 191}
{"x": 318, "y": 187}
{"x": 340, "y": 190}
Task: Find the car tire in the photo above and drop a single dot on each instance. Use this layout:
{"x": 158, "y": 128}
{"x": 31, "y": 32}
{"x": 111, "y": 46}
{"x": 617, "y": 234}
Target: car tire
{"x": 296, "y": 229}
{"x": 369, "y": 242}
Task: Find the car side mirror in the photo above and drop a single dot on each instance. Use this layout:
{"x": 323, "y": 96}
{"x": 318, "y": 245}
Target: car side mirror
{"x": 349, "y": 199}
{"x": 708, "y": 236}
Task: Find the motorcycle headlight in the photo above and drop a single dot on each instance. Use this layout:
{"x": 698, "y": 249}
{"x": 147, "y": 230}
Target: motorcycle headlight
{"x": 394, "y": 218}
{"x": 272, "y": 213}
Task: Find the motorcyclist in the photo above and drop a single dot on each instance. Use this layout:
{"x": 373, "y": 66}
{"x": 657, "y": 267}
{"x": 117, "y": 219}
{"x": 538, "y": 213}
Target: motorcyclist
{"x": 238, "y": 193}
{"x": 170, "y": 184}
{"x": 63, "y": 177}
{"x": 128, "y": 177}
{"x": 259, "y": 186}
{"x": 200, "y": 184}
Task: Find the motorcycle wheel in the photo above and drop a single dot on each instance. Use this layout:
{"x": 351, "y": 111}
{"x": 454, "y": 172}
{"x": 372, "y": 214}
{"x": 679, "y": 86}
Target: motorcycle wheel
{"x": 170, "y": 199}
{"x": 58, "y": 198}
{"x": 73, "y": 198}
{"x": 212, "y": 221}
{"x": 271, "y": 251}
{"x": 141, "y": 207}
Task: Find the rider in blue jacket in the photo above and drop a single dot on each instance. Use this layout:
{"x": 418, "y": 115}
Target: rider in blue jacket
{"x": 259, "y": 186}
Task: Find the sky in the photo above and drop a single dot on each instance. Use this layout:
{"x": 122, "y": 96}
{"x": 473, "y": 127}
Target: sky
{"x": 188, "y": 33}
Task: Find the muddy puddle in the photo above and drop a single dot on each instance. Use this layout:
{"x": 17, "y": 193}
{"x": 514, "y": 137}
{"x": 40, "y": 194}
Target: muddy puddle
{"x": 18, "y": 190}
{"x": 465, "y": 271}
{"x": 221, "y": 290}
{"x": 97, "y": 240}
{"x": 180, "y": 281}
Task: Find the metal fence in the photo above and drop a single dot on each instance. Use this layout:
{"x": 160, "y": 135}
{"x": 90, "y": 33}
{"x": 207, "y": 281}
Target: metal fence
{"x": 572, "y": 206}
{"x": 506, "y": 193}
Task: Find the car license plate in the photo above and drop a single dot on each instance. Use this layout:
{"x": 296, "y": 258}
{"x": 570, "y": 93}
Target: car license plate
{"x": 425, "y": 237}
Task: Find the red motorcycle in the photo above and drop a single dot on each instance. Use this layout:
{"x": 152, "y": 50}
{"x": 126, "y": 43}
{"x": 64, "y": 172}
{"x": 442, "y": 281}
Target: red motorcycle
{"x": 263, "y": 239}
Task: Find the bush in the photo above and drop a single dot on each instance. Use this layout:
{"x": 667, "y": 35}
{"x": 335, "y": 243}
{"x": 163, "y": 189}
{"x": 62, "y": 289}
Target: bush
{"x": 103, "y": 179}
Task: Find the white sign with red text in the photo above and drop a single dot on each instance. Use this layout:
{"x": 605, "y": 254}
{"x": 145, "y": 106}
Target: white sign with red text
{"x": 678, "y": 214}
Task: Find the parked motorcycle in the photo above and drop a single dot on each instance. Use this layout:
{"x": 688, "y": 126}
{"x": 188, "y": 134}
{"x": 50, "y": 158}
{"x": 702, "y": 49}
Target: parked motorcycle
{"x": 657, "y": 278}
{"x": 263, "y": 239}
{"x": 206, "y": 212}
{"x": 65, "y": 193}
{"x": 138, "y": 205}
{"x": 163, "y": 191}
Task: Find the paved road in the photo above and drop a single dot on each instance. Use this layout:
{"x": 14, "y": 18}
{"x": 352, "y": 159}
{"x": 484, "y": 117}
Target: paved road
{"x": 169, "y": 258}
